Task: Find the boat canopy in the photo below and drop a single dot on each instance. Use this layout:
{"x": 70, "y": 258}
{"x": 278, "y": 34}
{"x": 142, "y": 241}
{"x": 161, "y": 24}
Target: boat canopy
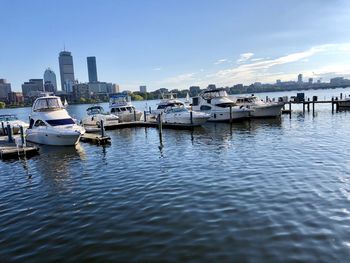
{"x": 215, "y": 93}
{"x": 47, "y": 103}
{"x": 95, "y": 110}
{"x": 119, "y": 99}
{"x": 8, "y": 117}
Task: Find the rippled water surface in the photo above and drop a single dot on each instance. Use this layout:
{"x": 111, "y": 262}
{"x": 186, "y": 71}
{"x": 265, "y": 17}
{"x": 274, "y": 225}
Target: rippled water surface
{"x": 258, "y": 191}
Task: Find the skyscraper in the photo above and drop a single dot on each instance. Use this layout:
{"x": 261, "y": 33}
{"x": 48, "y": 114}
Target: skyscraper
{"x": 143, "y": 89}
{"x": 300, "y": 78}
{"x": 50, "y": 82}
{"x": 92, "y": 70}
{"x": 66, "y": 70}
{"x": 5, "y": 89}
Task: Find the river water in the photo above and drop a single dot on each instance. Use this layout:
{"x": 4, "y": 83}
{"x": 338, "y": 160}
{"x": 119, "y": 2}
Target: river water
{"x": 272, "y": 190}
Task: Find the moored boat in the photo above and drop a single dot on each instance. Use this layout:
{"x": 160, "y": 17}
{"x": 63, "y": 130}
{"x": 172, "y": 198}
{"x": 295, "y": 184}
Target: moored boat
{"x": 120, "y": 105}
{"x": 96, "y": 114}
{"x": 51, "y": 124}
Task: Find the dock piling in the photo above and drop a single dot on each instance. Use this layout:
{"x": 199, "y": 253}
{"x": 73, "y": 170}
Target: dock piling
{"x": 3, "y": 128}
{"x": 22, "y": 136}
{"x": 9, "y": 133}
{"x": 191, "y": 117}
{"x": 231, "y": 114}
{"x": 332, "y": 105}
{"x": 303, "y": 108}
{"x": 308, "y": 105}
{"x": 144, "y": 116}
{"x": 134, "y": 114}
{"x": 160, "y": 124}
{"x": 102, "y": 129}
{"x": 290, "y": 109}
{"x": 313, "y": 108}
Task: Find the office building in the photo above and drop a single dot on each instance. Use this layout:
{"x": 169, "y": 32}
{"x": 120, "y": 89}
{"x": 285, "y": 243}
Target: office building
{"x": 65, "y": 60}
{"x": 92, "y": 69}
{"x": 115, "y": 88}
{"x": 5, "y": 89}
{"x": 32, "y": 88}
{"x": 50, "y": 83}
{"x": 81, "y": 90}
{"x": 98, "y": 87}
{"x": 15, "y": 98}
{"x": 311, "y": 80}
{"x": 143, "y": 89}
{"x": 300, "y": 78}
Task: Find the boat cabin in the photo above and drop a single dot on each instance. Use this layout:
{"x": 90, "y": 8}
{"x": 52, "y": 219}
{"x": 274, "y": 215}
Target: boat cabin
{"x": 94, "y": 110}
{"x": 122, "y": 109}
{"x": 8, "y": 117}
{"x": 47, "y": 104}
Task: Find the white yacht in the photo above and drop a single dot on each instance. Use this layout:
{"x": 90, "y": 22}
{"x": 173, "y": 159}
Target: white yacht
{"x": 51, "y": 124}
{"x": 181, "y": 115}
{"x": 259, "y": 107}
{"x": 14, "y": 122}
{"x": 217, "y": 103}
{"x": 96, "y": 114}
{"x": 120, "y": 105}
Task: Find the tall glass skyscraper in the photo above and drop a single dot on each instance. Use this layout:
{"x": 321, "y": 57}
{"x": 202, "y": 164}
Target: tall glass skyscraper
{"x": 92, "y": 70}
{"x": 65, "y": 60}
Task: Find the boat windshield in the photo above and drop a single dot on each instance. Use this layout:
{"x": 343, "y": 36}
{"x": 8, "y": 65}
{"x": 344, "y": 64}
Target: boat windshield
{"x": 8, "y": 117}
{"x": 95, "y": 110}
{"x": 58, "y": 122}
{"x": 175, "y": 109}
{"x": 214, "y": 94}
{"x": 43, "y": 104}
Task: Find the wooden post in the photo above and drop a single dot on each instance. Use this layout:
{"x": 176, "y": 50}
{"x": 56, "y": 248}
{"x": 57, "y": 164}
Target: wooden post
{"x": 303, "y": 107}
{"x": 22, "y": 136}
{"x": 102, "y": 129}
{"x": 134, "y": 114}
{"x": 231, "y": 114}
{"x": 313, "y": 108}
{"x": 144, "y": 116}
{"x": 290, "y": 109}
{"x": 9, "y": 133}
{"x": 332, "y": 105}
{"x": 267, "y": 98}
{"x": 160, "y": 124}
{"x": 341, "y": 96}
{"x": 337, "y": 106}
{"x": 3, "y": 128}
{"x": 308, "y": 105}
{"x": 191, "y": 117}
{"x": 150, "y": 110}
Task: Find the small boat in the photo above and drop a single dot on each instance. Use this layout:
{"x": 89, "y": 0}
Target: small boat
{"x": 221, "y": 108}
{"x": 259, "y": 107}
{"x": 96, "y": 114}
{"x": 51, "y": 124}
{"x": 345, "y": 103}
{"x": 181, "y": 115}
{"x": 14, "y": 122}
{"x": 120, "y": 105}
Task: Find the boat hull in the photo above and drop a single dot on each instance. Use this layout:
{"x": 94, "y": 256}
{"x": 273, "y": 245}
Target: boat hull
{"x": 223, "y": 116}
{"x": 129, "y": 117}
{"x": 186, "y": 119}
{"x": 49, "y": 138}
{"x": 266, "y": 111}
{"x": 344, "y": 103}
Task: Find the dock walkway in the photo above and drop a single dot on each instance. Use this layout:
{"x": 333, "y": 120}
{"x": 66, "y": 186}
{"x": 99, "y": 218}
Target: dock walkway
{"x": 10, "y": 150}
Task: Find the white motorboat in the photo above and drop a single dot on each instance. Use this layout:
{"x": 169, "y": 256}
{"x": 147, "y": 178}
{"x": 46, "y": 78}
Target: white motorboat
{"x": 120, "y": 105}
{"x": 181, "y": 115}
{"x": 220, "y": 107}
{"x": 96, "y": 114}
{"x": 14, "y": 122}
{"x": 51, "y": 124}
{"x": 259, "y": 107}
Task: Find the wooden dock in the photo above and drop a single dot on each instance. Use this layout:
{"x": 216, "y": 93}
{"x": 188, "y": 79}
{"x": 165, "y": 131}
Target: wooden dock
{"x": 9, "y": 150}
{"x": 95, "y": 139}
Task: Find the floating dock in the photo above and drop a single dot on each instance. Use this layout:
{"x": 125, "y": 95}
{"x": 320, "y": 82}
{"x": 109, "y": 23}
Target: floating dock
{"x": 95, "y": 139}
{"x": 10, "y": 150}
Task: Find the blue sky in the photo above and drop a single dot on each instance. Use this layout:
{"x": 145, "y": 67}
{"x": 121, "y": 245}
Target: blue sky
{"x": 177, "y": 43}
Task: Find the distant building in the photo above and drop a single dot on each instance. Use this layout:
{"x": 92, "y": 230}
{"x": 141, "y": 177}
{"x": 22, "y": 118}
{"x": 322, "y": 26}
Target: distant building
{"x": 81, "y": 90}
{"x": 300, "y": 78}
{"x": 15, "y": 98}
{"x": 32, "y": 88}
{"x": 5, "y": 89}
{"x": 50, "y": 83}
{"x": 337, "y": 81}
{"x": 99, "y": 87}
{"x": 278, "y": 82}
{"x": 65, "y": 60}
{"x": 311, "y": 80}
{"x": 143, "y": 89}
{"x": 257, "y": 84}
{"x": 115, "y": 88}
{"x": 92, "y": 69}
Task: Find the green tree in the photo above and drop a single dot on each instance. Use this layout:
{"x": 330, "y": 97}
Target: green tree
{"x": 82, "y": 100}
{"x": 2, "y": 105}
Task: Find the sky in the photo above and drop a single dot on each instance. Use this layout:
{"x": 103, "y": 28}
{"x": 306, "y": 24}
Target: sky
{"x": 176, "y": 44}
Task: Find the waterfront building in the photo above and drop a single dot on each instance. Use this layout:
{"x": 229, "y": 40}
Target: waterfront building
{"x": 5, "y": 89}
{"x": 300, "y": 78}
{"x": 143, "y": 89}
{"x": 50, "y": 82}
{"x": 32, "y": 88}
{"x": 65, "y": 60}
{"x": 311, "y": 80}
{"x": 15, "y": 98}
{"x": 98, "y": 87}
{"x": 115, "y": 88}
{"x": 211, "y": 86}
{"x": 92, "y": 69}
{"x": 81, "y": 90}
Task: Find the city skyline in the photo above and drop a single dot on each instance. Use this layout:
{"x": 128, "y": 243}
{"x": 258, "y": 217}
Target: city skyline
{"x": 184, "y": 44}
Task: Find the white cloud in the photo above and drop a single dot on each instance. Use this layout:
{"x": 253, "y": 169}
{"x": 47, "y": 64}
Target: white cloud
{"x": 220, "y": 61}
{"x": 157, "y": 69}
{"x": 245, "y": 57}
{"x": 177, "y": 80}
